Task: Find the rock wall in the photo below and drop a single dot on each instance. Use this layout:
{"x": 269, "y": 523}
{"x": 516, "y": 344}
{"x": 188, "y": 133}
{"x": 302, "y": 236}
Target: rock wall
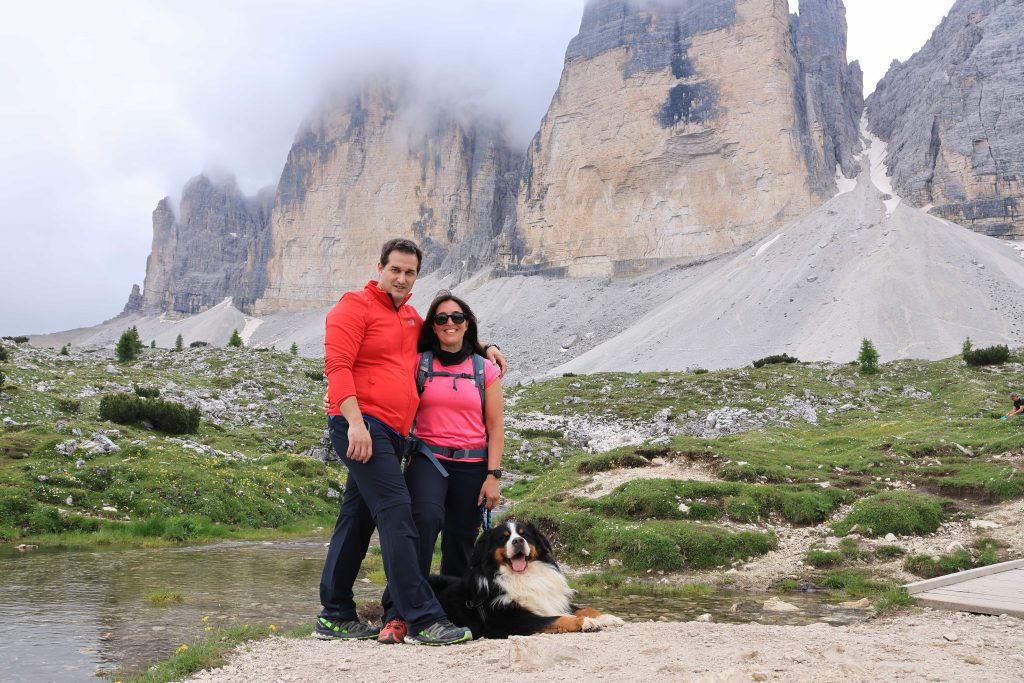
{"x": 215, "y": 248}
{"x": 953, "y": 115}
{"x": 682, "y": 129}
{"x": 378, "y": 164}
{"x": 830, "y": 93}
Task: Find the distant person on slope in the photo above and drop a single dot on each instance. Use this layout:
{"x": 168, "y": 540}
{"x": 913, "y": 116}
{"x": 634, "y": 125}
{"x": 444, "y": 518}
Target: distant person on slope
{"x": 370, "y": 347}
{"x": 1018, "y": 407}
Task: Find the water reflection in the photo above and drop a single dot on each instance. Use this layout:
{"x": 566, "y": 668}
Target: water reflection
{"x": 64, "y": 614}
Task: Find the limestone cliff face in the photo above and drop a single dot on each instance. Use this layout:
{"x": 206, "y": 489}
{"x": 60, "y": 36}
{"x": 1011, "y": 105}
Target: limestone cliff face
{"x": 830, "y": 92}
{"x": 381, "y": 164}
{"x": 953, "y": 115}
{"x": 682, "y": 129}
{"x": 215, "y": 248}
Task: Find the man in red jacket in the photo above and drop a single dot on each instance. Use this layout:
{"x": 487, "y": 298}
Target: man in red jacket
{"x": 370, "y": 365}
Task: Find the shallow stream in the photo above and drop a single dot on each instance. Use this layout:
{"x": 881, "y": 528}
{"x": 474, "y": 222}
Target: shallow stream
{"x": 66, "y": 615}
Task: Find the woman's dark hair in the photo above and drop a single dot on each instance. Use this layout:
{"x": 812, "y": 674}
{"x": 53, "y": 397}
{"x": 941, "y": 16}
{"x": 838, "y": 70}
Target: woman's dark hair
{"x": 429, "y": 341}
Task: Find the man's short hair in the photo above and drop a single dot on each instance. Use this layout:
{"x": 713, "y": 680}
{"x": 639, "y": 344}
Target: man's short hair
{"x": 403, "y": 245}
{"x": 1014, "y": 395}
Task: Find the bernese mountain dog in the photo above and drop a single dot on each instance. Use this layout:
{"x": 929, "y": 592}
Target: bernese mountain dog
{"x": 514, "y": 588}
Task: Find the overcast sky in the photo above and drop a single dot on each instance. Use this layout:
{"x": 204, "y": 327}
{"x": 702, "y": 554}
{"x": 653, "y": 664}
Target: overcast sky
{"x": 108, "y": 106}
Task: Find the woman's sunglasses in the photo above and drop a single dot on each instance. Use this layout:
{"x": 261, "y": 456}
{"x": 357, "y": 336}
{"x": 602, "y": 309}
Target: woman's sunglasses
{"x": 442, "y": 318}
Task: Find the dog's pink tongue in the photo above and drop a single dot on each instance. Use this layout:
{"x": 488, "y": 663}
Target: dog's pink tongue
{"x": 519, "y": 563}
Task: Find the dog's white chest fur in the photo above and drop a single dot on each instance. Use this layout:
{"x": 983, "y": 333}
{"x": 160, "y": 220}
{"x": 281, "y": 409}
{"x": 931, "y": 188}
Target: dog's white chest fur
{"x": 540, "y": 589}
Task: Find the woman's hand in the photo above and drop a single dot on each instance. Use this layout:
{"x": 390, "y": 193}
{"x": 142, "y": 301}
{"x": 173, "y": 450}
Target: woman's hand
{"x": 489, "y": 492}
{"x": 326, "y": 404}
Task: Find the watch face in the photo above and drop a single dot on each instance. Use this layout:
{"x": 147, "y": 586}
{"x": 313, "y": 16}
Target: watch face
{"x": 496, "y": 473}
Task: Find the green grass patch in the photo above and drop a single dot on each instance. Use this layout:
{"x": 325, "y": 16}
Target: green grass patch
{"x": 162, "y": 598}
{"x": 896, "y": 512}
{"x": 675, "y": 499}
{"x": 893, "y": 598}
{"x": 206, "y": 654}
{"x": 855, "y": 583}
{"x": 984, "y": 552}
{"x": 823, "y": 558}
{"x": 616, "y": 459}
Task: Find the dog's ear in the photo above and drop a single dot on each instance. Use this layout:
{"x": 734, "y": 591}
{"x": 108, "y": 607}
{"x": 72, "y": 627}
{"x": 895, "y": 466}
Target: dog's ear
{"x": 476, "y": 558}
{"x": 542, "y": 541}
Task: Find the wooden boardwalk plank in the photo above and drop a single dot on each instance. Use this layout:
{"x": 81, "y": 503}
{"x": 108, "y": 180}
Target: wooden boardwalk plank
{"x": 996, "y": 589}
{"x": 920, "y": 586}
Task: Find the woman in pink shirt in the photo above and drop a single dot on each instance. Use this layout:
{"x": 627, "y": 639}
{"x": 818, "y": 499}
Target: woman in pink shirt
{"x": 465, "y": 441}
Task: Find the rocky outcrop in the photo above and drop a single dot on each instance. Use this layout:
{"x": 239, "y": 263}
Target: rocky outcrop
{"x": 953, "y": 115}
{"x": 215, "y": 248}
{"x": 385, "y": 162}
{"x": 681, "y": 130}
{"x": 830, "y": 92}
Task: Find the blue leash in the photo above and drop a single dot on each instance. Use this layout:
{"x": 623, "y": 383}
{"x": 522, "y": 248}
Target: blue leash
{"x": 485, "y": 517}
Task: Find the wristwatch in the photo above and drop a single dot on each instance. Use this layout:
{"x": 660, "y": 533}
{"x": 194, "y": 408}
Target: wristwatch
{"x": 495, "y": 473}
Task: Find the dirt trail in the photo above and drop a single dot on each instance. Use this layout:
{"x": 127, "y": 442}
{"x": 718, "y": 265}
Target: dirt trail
{"x": 929, "y": 646}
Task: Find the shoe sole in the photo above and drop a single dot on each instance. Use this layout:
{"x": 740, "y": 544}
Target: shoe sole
{"x": 331, "y": 636}
{"x": 413, "y": 641}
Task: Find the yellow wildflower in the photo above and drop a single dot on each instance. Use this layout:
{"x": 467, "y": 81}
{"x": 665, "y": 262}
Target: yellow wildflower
{"x": 273, "y": 628}
{"x": 181, "y": 648}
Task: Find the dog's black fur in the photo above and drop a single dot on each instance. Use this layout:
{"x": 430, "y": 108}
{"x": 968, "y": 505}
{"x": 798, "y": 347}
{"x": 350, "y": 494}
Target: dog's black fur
{"x": 480, "y": 600}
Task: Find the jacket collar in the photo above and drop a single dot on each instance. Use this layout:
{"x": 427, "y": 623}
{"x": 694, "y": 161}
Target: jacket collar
{"x": 373, "y": 287}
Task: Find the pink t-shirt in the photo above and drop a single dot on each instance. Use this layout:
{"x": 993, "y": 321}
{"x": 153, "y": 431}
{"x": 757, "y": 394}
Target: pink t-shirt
{"x": 450, "y": 413}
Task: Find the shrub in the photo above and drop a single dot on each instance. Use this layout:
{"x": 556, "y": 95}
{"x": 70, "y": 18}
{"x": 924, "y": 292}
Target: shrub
{"x": 152, "y": 344}
{"x": 69, "y": 405}
{"x": 867, "y": 359}
{"x": 611, "y": 461}
{"x": 896, "y": 512}
{"x": 294, "y": 349}
{"x": 4, "y": 355}
{"x": 179, "y": 343}
{"x": 165, "y": 416}
{"x": 316, "y": 375}
{"x": 990, "y": 355}
{"x": 197, "y": 344}
{"x": 2, "y": 378}
{"x": 147, "y": 392}
{"x": 700, "y": 371}
{"x": 966, "y": 349}
{"x": 774, "y": 360}
{"x": 823, "y": 558}
{"x": 17, "y": 340}
{"x": 65, "y": 350}
{"x": 236, "y": 339}
{"x": 128, "y": 345}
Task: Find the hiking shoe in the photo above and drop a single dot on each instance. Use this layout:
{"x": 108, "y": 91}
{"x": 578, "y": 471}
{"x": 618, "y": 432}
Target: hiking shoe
{"x": 393, "y": 632}
{"x": 440, "y": 633}
{"x": 343, "y": 630}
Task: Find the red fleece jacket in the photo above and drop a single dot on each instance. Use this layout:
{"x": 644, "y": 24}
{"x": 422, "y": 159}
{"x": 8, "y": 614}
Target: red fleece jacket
{"x": 370, "y": 350}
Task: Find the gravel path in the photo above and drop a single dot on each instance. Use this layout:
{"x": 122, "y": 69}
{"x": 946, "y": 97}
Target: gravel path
{"x": 927, "y": 646}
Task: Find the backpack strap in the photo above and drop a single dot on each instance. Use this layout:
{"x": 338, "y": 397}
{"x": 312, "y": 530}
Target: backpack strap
{"x": 481, "y": 385}
{"x": 426, "y": 358}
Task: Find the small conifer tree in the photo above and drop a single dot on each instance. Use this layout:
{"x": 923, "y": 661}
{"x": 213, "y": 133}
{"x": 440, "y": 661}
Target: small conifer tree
{"x": 152, "y": 344}
{"x": 236, "y": 339}
{"x": 965, "y": 350}
{"x": 179, "y": 343}
{"x": 128, "y": 345}
{"x": 868, "y": 358}
{"x": 65, "y": 350}
{"x": 294, "y": 349}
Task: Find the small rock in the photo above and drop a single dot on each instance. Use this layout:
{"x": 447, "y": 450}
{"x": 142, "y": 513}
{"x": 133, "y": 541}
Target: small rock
{"x": 971, "y": 659}
{"x": 66, "y": 447}
{"x": 113, "y": 370}
{"x": 863, "y": 603}
{"x": 79, "y": 464}
{"x": 612, "y": 562}
{"x": 777, "y": 605}
{"x": 25, "y": 547}
{"x": 759, "y": 676}
{"x": 704, "y": 617}
{"x": 890, "y": 537}
{"x": 684, "y": 508}
{"x": 69, "y": 501}
{"x": 951, "y": 637}
{"x": 658, "y": 462}
{"x": 42, "y": 478}
{"x": 983, "y": 524}
{"x": 954, "y": 547}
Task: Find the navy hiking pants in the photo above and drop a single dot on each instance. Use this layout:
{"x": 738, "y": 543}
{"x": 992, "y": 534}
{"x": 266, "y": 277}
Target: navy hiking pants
{"x": 446, "y": 507}
{"x": 376, "y": 495}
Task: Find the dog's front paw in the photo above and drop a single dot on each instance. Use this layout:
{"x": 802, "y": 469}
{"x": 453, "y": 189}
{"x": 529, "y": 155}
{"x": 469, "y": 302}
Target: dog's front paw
{"x": 608, "y": 620}
{"x": 591, "y": 624}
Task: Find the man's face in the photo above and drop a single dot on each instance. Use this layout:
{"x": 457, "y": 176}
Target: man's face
{"x": 397, "y": 275}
